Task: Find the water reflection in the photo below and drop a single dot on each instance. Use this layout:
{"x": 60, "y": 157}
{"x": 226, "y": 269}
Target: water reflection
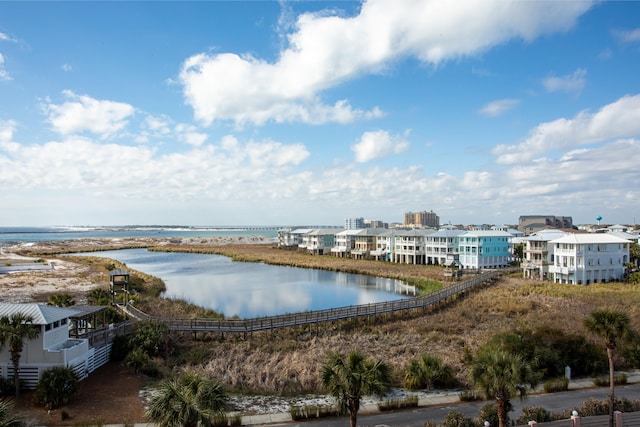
{"x": 254, "y": 289}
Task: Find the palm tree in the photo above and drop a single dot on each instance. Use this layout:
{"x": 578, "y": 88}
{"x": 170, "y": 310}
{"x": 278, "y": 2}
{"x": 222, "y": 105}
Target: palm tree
{"x": 427, "y": 372}
{"x": 15, "y": 330}
{"x": 61, "y": 299}
{"x": 187, "y": 401}
{"x": 611, "y": 325}
{"x": 6, "y": 419}
{"x": 500, "y": 375}
{"x": 348, "y": 380}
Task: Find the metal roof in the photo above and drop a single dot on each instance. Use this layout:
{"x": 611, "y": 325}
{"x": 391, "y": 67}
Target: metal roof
{"x": 42, "y": 314}
{"x": 591, "y": 238}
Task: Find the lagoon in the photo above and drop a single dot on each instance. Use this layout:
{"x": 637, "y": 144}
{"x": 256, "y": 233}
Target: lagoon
{"x": 249, "y": 290}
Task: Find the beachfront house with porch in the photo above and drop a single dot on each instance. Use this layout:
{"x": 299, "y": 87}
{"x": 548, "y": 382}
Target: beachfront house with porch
{"x": 537, "y": 253}
{"x": 365, "y": 242}
{"x": 292, "y": 238}
{"x": 589, "y": 258}
{"x": 344, "y": 243}
{"x": 54, "y": 346}
{"x": 409, "y": 246}
{"x": 484, "y": 249}
{"x": 441, "y": 244}
{"x": 320, "y": 241}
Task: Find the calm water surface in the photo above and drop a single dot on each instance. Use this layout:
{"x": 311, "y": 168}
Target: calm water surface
{"x": 253, "y": 289}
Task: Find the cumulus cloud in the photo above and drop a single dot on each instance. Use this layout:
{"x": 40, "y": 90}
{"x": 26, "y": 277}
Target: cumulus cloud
{"x": 325, "y": 49}
{"x": 7, "y": 128}
{"x": 498, "y": 107}
{"x": 377, "y": 144}
{"x": 572, "y": 83}
{"x": 620, "y": 119}
{"x": 66, "y": 67}
{"x": 82, "y": 113}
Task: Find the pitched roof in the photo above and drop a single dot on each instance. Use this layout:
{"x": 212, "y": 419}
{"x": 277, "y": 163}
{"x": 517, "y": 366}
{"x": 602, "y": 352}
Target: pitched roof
{"x": 42, "y": 314}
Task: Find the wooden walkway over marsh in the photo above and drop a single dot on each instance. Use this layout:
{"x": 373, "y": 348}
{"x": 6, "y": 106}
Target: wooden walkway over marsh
{"x": 247, "y": 326}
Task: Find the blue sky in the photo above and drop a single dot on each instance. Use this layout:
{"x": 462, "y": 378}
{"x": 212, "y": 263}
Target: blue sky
{"x": 309, "y": 112}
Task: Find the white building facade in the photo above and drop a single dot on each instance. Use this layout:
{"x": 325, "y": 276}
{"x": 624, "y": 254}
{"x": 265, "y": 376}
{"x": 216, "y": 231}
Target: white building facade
{"x": 589, "y": 258}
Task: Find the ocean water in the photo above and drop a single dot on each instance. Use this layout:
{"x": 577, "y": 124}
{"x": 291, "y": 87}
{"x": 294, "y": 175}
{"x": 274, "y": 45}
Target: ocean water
{"x": 42, "y": 234}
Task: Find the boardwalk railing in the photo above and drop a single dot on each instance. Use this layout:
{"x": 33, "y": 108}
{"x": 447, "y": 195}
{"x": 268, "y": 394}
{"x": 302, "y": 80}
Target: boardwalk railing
{"x": 320, "y": 316}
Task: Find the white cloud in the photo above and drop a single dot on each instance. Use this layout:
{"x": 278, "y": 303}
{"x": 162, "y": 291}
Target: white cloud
{"x": 498, "y": 107}
{"x": 67, "y": 67}
{"x": 377, "y": 144}
{"x": 628, "y": 36}
{"x": 620, "y": 119}
{"x": 4, "y": 74}
{"x": 190, "y": 135}
{"x": 572, "y": 83}
{"x": 83, "y": 113}
{"x": 325, "y": 50}
{"x": 6, "y": 38}
{"x": 7, "y": 127}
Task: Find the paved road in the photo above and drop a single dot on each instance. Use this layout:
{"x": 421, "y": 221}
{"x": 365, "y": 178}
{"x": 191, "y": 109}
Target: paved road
{"x": 553, "y": 402}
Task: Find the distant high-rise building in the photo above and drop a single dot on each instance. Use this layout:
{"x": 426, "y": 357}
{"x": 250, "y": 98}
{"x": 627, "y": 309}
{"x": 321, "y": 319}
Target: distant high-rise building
{"x": 529, "y": 224}
{"x": 422, "y": 219}
{"x": 375, "y": 223}
{"x": 353, "y": 223}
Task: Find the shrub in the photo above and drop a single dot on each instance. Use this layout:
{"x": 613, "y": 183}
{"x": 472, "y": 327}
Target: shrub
{"x": 428, "y": 372}
{"x": 533, "y": 413}
{"x": 408, "y": 402}
{"x": 603, "y": 381}
{"x": 556, "y": 385}
{"x": 456, "y": 419}
{"x": 489, "y": 412}
{"x": 56, "y": 387}
{"x": 136, "y": 360}
{"x": 469, "y": 396}
{"x": 151, "y": 337}
{"x": 313, "y": 411}
{"x": 120, "y": 348}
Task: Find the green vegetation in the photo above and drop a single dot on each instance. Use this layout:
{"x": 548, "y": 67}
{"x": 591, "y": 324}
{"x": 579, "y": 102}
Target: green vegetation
{"x": 57, "y": 386}
{"x": 61, "y": 299}
{"x": 611, "y": 326}
{"x": 187, "y": 401}
{"x": 14, "y": 330}
{"x": 499, "y": 375}
{"x": 347, "y": 380}
{"x": 7, "y": 419}
{"x": 428, "y": 372}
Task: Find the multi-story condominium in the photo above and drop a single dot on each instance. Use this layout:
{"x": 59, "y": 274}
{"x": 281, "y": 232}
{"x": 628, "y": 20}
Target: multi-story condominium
{"x": 538, "y": 253}
{"x": 484, "y": 249}
{"x": 385, "y": 245}
{"x": 353, "y": 223}
{"x": 409, "y": 246}
{"x": 440, "y": 244}
{"x": 344, "y": 243}
{"x": 529, "y": 224}
{"x": 320, "y": 241}
{"x": 365, "y": 241}
{"x": 421, "y": 219}
{"x": 589, "y": 258}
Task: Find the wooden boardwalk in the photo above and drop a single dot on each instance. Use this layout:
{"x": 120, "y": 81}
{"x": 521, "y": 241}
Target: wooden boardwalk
{"x": 247, "y": 326}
